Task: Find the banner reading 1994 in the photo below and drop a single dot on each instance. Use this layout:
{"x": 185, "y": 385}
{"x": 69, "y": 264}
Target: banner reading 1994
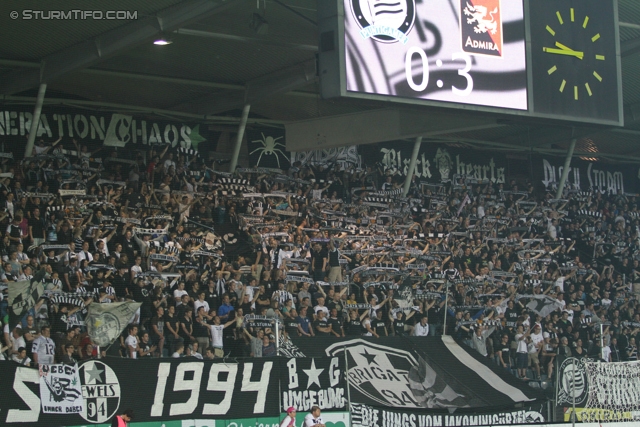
{"x": 161, "y": 390}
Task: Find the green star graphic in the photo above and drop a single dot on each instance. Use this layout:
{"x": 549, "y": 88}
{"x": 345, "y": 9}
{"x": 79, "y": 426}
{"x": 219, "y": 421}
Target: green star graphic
{"x": 196, "y": 138}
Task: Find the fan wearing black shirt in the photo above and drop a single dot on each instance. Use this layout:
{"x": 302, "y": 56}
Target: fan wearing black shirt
{"x": 186, "y": 326}
{"x": 504, "y": 352}
{"x": 354, "y": 324}
{"x": 336, "y": 324}
{"x": 171, "y": 329}
{"x": 399, "y": 322}
{"x": 321, "y": 326}
{"x": 378, "y": 325}
{"x": 511, "y": 315}
{"x": 319, "y": 259}
{"x": 291, "y": 323}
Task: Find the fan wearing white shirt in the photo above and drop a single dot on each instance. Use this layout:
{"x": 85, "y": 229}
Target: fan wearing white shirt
{"x": 132, "y": 342}
{"x": 216, "y": 335}
{"x": 43, "y": 347}
{"x": 200, "y": 302}
{"x": 313, "y": 419}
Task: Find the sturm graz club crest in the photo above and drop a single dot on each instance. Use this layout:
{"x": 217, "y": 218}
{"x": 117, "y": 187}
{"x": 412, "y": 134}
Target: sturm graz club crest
{"x": 100, "y": 390}
{"x": 572, "y": 380}
{"x": 379, "y": 372}
{"x": 383, "y": 20}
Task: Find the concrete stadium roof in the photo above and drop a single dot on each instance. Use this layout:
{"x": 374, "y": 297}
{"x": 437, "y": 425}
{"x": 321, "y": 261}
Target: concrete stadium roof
{"x": 217, "y": 60}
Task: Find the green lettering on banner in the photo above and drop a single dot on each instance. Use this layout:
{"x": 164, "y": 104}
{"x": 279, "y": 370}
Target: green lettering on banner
{"x": 332, "y": 419}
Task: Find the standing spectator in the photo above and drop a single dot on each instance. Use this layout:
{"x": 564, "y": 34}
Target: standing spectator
{"x": 321, "y": 326}
{"x": 21, "y": 357}
{"x": 68, "y": 357}
{"x": 632, "y": 350}
{"x": 131, "y": 342}
{"x": 503, "y": 353}
{"x": 379, "y": 325}
{"x": 614, "y": 350}
{"x": 304, "y": 324}
{"x": 217, "y": 335}
{"x": 319, "y": 258}
{"x": 256, "y": 342}
{"x": 171, "y": 328}
{"x": 145, "y": 347}
{"x": 336, "y": 324}
{"x": 268, "y": 347}
{"x": 479, "y": 340}
{"x": 421, "y": 329}
{"x": 522, "y": 353}
{"x": 44, "y": 348}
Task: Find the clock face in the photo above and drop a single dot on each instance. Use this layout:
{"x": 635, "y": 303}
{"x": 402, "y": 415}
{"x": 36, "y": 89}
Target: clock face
{"x": 573, "y": 48}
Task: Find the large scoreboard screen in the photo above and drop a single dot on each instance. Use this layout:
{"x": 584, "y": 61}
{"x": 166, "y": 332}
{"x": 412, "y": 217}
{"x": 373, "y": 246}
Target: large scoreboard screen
{"x": 543, "y": 58}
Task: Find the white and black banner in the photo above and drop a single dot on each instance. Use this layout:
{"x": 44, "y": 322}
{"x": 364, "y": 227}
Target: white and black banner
{"x": 314, "y": 382}
{"x": 60, "y": 390}
{"x": 369, "y": 416}
{"x": 23, "y": 296}
{"x": 158, "y": 390}
{"x": 105, "y": 322}
{"x": 420, "y": 373}
{"x": 587, "y": 176}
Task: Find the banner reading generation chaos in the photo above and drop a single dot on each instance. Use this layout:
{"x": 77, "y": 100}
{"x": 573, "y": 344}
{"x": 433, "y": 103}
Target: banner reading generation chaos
{"x": 463, "y": 51}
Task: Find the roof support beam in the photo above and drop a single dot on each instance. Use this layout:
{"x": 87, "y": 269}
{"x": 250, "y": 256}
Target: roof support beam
{"x": 133, "y": 109}
{"x": 630, "y": 47}
{"x": 244, "y": 39}
{"x": 152, "y": 78}
{"x": 280, "y": 81}
{"x": 554, "y": 151}
{"x": 109, "y": 43}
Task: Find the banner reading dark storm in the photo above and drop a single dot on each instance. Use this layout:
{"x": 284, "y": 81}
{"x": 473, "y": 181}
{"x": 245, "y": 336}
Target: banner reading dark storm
{"x": 419, "y": 372}
{"x": 584, "y": 176}
{"x": 309, "y": 382}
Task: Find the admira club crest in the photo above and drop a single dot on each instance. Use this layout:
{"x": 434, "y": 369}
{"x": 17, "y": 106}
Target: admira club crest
{"x": 100, "y": 390}
{"x": 379, "y": 372}
{"x": 481, "y": 27}
{"x": 384, "y": 21}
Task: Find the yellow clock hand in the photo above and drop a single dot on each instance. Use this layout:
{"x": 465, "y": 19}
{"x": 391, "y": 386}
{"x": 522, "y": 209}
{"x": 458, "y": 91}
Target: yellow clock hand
{"x": 563, "y": 47}
{"x": 577, "y": 54}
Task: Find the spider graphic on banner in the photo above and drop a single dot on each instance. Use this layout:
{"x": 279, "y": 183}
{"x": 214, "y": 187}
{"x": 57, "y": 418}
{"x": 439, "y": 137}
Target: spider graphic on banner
{"x": 269, "y": 147}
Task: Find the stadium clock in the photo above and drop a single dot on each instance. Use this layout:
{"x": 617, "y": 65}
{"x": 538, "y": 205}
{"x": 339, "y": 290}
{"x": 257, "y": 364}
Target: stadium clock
{"x": 573, "y": 47}
{"x": 556, "y": 59}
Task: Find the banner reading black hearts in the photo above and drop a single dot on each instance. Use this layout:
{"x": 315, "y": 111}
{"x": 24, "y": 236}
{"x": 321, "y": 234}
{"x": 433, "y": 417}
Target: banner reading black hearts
{"x": 437, "y": 162}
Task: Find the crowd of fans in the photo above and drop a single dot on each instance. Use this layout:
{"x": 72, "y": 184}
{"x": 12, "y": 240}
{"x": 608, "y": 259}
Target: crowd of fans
{"x": 329, "y": 251}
